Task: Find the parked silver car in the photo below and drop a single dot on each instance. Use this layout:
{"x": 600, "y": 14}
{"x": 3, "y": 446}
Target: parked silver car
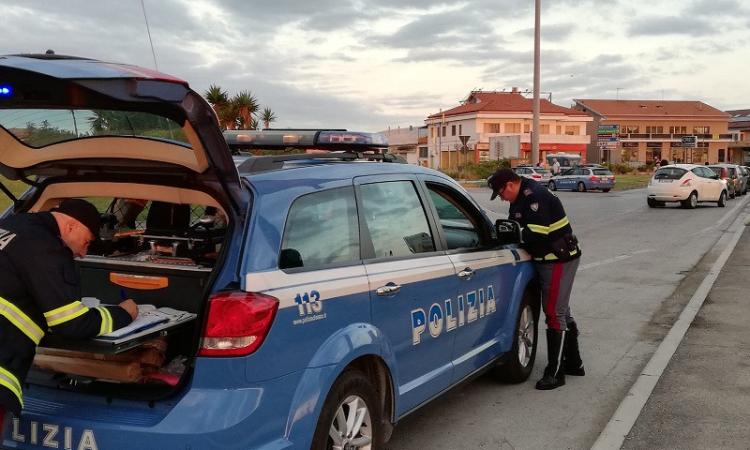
{"x": 536, "y": 173}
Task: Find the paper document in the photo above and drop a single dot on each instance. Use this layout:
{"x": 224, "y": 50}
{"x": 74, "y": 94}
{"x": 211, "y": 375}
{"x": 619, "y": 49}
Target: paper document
{"x": 149, "y": 316}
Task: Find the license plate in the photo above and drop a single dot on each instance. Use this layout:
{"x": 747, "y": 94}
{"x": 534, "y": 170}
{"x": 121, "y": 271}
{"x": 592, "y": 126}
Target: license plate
{"x": 665, "y": 181}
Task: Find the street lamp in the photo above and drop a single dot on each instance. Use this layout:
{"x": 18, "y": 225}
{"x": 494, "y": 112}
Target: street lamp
{"x": 535, "y": 131}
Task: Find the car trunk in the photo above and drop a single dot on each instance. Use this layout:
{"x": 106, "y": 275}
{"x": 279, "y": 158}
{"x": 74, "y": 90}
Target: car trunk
{"x": 71, "y": 127}
{"x": 167, "y": 257}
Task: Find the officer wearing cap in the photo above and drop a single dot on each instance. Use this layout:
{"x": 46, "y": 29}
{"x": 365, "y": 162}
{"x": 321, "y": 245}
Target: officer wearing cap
{"x": 40, "y": 290}
{"x": 547, "y": 235}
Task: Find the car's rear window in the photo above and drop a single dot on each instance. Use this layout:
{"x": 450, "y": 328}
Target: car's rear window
{"x": 602, "y": 172}
{"x": 41, "y": 127}
{"x": 542, "y": 171}
{"x": 716, "y": 170}
{"x": 669, "y": 173}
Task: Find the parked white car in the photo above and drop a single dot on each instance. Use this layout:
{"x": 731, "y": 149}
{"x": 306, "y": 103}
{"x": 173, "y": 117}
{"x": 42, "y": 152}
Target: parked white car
{"x": 688, "y": 184}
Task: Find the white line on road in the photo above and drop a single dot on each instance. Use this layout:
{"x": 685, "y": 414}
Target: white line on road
{"x": 618, "y": 427}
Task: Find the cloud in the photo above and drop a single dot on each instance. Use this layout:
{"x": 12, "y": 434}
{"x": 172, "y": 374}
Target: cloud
{"x": 451, "y": 28}
{"x": 713, "y": 8}
{"x": 663, "y": 25}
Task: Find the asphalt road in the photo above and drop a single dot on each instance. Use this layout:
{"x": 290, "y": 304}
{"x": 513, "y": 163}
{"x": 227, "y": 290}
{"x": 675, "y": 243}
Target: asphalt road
{"x": 639, "y": 267}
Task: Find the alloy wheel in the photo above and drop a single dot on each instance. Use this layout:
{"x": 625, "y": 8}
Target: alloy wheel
{"x": 352, "y": 426}
{"x": 525, "y": 336}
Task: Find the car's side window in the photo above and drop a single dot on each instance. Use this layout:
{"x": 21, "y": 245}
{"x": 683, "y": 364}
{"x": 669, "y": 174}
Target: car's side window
{"x": 395, "y": 219}
{"x": 321, "y": 229}
{"x": 458, "y": 227}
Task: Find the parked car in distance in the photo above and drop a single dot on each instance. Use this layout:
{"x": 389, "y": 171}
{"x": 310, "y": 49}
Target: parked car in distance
{"x": 730, "y": 174}
{"x": 583, "y": 179}
{"x": 536, "y": 173}
{"x": 745, "y": 177}
{"x": 688, "y": 184}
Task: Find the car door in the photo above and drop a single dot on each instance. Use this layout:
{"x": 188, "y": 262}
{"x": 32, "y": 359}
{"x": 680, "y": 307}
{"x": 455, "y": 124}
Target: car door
{"x": 485, "y": 275}
{"x": 708, "y": 188}
{"x": 411, "y": 284}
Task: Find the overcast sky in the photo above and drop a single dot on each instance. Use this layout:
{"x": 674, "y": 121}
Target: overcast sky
{"x": 371, "y": 64}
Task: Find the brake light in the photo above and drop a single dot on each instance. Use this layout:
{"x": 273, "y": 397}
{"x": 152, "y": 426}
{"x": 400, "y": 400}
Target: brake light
{"x": 686, "y": 183}
{"x": 536, "y": 176}
{"x": 237, "y": 323}
{"x": 594, "y": 178}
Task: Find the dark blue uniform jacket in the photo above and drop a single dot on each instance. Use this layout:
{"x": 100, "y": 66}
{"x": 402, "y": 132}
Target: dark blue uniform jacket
{"x": 39, "y": 293}
{"x": 545, "y": 229}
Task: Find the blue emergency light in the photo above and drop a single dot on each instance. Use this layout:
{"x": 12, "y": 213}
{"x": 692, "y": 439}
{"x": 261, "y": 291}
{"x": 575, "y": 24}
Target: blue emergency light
{"x": 6, "y": 91}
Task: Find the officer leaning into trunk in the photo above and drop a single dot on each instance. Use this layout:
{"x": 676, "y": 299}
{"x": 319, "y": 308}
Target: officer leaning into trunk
{"x": 547, "y": 235}
{"x": 40, "y": 290}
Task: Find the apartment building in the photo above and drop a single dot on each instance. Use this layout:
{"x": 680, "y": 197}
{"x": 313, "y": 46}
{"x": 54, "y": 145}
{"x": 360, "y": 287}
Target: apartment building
{"x": 648, "y": 130}
{"x": 739, "y": 126}
{"x": 488, "y": 114}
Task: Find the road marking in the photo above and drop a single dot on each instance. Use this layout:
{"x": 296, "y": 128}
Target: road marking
{"x": 614, "y": 259}
{"x": 618, "y": 427}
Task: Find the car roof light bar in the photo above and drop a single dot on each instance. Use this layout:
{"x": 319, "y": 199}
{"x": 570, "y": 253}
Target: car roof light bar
{"x": 282, "y": 139}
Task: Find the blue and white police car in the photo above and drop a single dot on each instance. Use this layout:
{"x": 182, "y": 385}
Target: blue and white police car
{"x": 329, "y": 293}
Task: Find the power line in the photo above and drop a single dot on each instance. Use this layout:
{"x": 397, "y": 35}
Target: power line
{"x": 148, "y": 30}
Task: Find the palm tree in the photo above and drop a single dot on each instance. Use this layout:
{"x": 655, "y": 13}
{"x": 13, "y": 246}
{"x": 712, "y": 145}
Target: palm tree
{"x": 219, "y": 99}
{"x": 268, "y": 117}
{"x": 253, "y": 123}
{"x": 246, "y": 105}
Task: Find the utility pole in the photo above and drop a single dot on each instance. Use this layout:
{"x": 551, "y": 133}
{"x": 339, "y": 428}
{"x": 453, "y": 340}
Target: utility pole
{"x": 535, "y": 128}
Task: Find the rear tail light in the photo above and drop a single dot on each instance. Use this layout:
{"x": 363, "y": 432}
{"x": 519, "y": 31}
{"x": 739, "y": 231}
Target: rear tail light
{"x": 536, "y": 176}
{"x": 594, "y": 178}
{"x": 237, "y": 324}
{"x": 686, "y": 183}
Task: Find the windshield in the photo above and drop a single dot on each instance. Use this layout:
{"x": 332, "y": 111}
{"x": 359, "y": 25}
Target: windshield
{"x": 41, "y": 127}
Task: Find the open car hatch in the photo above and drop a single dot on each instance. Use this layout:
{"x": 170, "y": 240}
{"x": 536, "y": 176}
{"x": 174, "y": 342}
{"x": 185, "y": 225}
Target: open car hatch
{"x": 58, "y": 113}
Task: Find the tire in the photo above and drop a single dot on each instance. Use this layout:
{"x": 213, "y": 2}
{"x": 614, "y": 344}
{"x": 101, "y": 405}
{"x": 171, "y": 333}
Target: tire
{"x": 520, "y": 359}
{"x": 351, "y": 389}
{"x": 722, "y": 199}
{"x": 552, "y": 186}
{"x": 691, "y": 202}
{"x": 581, "y": 187}
{"x": 605, "y": 190}
{"x": 651, "y": 202}
{"x": 733, "y": 194}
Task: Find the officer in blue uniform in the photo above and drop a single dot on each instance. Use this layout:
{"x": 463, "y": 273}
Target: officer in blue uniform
{"x": 547, "y": 235}
{"x": 40, "y": 290}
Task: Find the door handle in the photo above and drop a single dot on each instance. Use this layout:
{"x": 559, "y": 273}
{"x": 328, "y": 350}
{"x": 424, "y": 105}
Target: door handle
{"x": 466, "y": 274}
{"x": 388, "y": 289}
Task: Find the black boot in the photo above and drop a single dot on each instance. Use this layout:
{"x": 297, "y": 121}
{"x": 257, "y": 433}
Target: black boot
{"x": 554, "y": 375}
{"x": 572, "y": 362}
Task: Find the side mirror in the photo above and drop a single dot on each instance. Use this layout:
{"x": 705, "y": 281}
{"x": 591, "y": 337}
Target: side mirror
{"x": 507, "y": 231}
{"x": 715, "y": 177}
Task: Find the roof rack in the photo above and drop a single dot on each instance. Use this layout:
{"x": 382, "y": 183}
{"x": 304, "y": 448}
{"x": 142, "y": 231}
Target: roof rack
{"x": 255, "y": 164}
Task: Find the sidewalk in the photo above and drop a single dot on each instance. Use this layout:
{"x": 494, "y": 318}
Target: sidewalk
{"x": 702, "y": 400}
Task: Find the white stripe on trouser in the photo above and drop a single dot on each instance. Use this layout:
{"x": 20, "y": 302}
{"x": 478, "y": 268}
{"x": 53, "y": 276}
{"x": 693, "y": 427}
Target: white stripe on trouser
{"x": 560, "y": 353}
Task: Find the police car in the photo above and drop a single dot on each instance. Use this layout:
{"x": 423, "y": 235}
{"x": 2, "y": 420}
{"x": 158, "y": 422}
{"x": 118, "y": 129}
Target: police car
{"x": 333, "y": 293}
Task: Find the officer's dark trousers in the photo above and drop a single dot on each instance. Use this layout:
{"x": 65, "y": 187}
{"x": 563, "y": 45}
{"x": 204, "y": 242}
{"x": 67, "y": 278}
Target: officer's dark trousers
{"x": 2, "y": 422}
{"x": 557, "y": 283}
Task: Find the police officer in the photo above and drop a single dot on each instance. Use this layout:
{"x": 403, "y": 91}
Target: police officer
{"x": 40, "y": 290}
{"x": 547, "y": 235}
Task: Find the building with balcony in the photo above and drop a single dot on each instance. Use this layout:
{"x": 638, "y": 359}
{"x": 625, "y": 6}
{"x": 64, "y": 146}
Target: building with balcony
{"x": 409, "y": 143}
{"x": 637, "y": 131}
{"x": 484, "y": 115}
{"x": 739, "y": 126}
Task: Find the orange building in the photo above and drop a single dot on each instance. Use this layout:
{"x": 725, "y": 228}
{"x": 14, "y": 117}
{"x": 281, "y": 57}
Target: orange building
{"x": 484, "y": 115}
{"x": 637, "y": 131}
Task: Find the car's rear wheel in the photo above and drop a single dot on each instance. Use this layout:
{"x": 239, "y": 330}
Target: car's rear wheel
{"x": 722, "y": 199}
{"x": 581, "y": 187}
{"x": 552, "y": 186}
{"x": 651, "y": 202}
{"x": 605, "y": 190}
{"x": 351, "y": 417}
{"x": 520, "y": 359}
{"x": 691, "y": 202}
